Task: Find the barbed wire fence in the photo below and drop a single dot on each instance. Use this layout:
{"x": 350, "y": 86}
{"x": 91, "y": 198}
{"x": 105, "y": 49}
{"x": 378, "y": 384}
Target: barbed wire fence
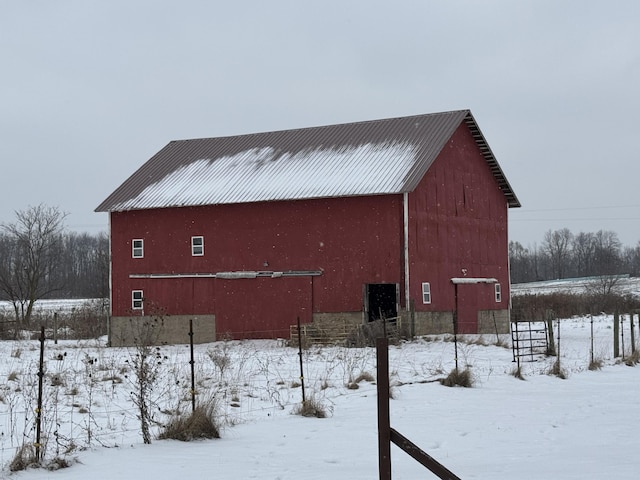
{"x": 87, "y": 387}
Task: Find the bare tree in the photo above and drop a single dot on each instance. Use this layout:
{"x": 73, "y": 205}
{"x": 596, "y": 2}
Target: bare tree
{"x": 557, "y": 244}
{"x": 584, "y": 247}
{"x": 31, "y": 253}
{"x": 607, "y": 261}
{"x": 520, "y": 263}
{"x": 607, "y": 258}
{"x": 84, "y": 268}
{"x": 631, "y": 260}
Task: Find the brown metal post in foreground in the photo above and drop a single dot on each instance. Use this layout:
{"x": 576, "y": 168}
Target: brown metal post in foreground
{"x": 633, "y": 334}
{"x": 301, "y": 365}
{"x": 39, "y": 408}
{"x": 386, "y": 434}
{"x": 455, "y": 324}
{"x": 384, "y": 426}
{"x": 193, "y": 375}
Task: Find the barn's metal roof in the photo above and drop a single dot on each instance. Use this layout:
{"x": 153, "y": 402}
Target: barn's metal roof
{"x": 366, "y": 158}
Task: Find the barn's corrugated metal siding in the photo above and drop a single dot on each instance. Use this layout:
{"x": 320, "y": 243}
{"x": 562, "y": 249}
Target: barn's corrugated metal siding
{"x": 366, "y": 158}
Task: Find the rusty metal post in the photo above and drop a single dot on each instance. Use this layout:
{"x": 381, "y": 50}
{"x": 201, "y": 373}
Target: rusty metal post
{"x": 300, "y": 356}
{"x": 192, "y": 363}
{"x": 384, "y": 424}
{"x": 622, "y": 334}
{"x": 455, "y": 323}
{"x": 616, "y": 334}
{"x": 633, "y": 334}
{"x": 558, "y": 345}
{"x": 592, "y": 359}
{"x": 37, "y": 445}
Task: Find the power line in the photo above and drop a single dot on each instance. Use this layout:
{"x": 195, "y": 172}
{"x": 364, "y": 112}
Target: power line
{"x": 600, "y": 219}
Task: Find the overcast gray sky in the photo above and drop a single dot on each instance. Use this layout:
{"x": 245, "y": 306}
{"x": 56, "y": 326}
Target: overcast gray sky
{"x": 90, "y": 90}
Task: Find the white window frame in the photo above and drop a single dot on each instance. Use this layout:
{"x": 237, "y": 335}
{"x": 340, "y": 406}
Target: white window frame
{"x": 137, "y": 299}
{"x": 497, "y": 289}
{"x": 426, "y": 293}
{"x": 197, "y": 250}
{"x": 137, "y": 251}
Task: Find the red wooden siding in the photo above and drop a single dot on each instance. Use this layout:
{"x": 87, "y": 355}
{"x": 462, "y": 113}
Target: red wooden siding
{"x": 458, "y": 227}
{"x": 353, "y": 241}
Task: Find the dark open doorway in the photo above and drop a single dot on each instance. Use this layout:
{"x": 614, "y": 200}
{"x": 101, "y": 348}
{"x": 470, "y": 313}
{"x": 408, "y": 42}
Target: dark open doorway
{"x": 381, "y": 301}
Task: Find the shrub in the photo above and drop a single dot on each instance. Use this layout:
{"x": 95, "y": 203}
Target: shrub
{"x": 200, "y": 424}
{"x": 557, "y": 370}
{"x": 566, "y": 305}
{"x": 595, "y": 364}
{"x": 364, "y": 377}
{"x": 311, "y": 407}
{"x": 24, "y": 457}
{"x": 633, "y": 359}
{"x": 460, "y": 378}
{"x": 57, "y": 463}
{"x": 517, "y": 372}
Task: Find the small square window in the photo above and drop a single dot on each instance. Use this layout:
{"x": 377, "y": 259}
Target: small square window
{"x": 136, "y": 299}
{"x": 498, "y": 292}
{"x": 197, "y": 246}
{"x": 426, "y": 292}
{"x": 137, "y": 248}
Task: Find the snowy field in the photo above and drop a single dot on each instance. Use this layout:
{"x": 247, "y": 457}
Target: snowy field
{"x": 51, "y": 306}
{"x": 584, "y": 426}
{"x": 623, "y": 286}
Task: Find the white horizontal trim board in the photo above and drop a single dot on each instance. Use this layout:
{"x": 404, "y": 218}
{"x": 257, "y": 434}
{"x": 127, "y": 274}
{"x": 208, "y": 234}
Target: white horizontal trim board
{"x": 471, "y": 280}
{"x": 232, "y": 275}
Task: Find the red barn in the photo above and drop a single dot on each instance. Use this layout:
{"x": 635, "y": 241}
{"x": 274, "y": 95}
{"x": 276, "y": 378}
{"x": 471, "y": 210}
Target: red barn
{"x": 335, "y": 225}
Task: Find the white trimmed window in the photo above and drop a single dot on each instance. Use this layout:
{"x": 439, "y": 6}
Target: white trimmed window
{"x": 498, "y": 292}
{"x": 136, "y": 299}
{"x": 137, "y": 248}
{"x": 426, "y": 292}
{"x": 197, "y": 246}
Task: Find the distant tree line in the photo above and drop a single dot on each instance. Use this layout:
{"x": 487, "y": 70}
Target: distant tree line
{"x": 39, "y": 259}
{"x": 563, "y": 254}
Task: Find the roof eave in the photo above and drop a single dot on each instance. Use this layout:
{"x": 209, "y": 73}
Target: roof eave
{"x": 503, "y": 183}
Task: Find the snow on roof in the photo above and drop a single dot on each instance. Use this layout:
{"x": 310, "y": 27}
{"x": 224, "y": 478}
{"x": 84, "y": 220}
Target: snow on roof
{"x": 261, "y": 174}
{"x": 378, "y": 157}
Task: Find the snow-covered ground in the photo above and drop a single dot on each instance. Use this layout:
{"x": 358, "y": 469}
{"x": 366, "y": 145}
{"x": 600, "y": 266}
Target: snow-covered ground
{"x": 50, "y": 306}
{"x": 584, "y": 426}
{"x": 623, "y": 286}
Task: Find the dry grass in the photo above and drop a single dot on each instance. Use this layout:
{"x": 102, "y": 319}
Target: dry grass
{"x": 458, "y": 378}
{"x": 25, "y": 457}
{"x": 633, "y": 359}
{"x": 557, "y": 371}
{"x": 200, "y": 424}
{"x": 57, "y": 463}
{"x": 517, "y": 372}
{"x": 311, "y": 407}
{"x": 595, "y": 364}
{"x": 364, "y": 377}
